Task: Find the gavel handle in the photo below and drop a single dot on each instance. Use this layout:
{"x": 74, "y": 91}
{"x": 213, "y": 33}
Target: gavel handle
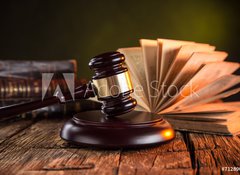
{"x": 81, "y": 92}
{"x": 25, "y": 107}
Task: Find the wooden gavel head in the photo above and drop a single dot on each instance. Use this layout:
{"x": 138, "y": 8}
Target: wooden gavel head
{"x": 112, "y": 83}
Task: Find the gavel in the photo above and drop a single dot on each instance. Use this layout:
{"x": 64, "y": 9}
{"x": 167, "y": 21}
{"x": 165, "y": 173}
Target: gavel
{"x": 111, "y": 84}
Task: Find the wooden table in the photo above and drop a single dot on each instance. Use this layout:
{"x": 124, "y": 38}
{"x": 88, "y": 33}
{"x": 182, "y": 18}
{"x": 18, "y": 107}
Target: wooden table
{"x": 34, "y": 147}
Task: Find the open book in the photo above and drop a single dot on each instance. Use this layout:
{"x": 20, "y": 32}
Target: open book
{"x": 184, "y": 81}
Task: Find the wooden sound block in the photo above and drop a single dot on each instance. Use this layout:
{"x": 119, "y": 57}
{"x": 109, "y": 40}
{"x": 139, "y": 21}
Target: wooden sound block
{"x": 133, "y": 129}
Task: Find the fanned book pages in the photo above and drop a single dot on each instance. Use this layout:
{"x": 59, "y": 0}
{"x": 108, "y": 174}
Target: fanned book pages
{"x": 185, "y": 82}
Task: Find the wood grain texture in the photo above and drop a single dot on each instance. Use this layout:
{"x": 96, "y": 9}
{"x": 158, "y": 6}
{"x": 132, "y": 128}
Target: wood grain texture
{"x": 8, "y": 130}
{"x": 211, "y": 153}
{"x": 28, "y": 147}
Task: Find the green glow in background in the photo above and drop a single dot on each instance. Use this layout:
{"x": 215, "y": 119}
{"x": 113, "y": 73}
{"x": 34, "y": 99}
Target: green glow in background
{"x": 39, "y": 29}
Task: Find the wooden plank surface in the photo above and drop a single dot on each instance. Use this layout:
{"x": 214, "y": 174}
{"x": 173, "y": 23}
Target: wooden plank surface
{"x": 211, "y": 153}
{"x": 28, "y": 147}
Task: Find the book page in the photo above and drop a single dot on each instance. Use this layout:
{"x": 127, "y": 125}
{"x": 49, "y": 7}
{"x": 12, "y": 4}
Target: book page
{"x": 138, "y": 94}
{"x": 214, "y": 98}
{"x": 209, "y": 92}
{"x": 212, "y": 71}
{"x": 228, "y": 127}
{"x": 166, "y": 52}
{"x": 182, "y": 57}
{"x": 207, "y": 117}
{"x": 149, "y": 48}
{"x": 208, "y": 108}
{"x": 193, "y": 65}
{"x": 233, "y": 123}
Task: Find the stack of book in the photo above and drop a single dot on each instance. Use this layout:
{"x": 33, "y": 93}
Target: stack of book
{"x": 21, "y": 81}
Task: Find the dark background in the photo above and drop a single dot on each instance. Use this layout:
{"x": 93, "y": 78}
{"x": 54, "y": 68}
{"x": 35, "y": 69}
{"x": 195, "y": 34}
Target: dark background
{"x": 38, "y": 29}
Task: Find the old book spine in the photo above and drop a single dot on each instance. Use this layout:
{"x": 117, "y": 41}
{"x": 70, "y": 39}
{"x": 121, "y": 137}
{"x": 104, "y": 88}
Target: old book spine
{"x": 34, "y": 69}
{"x": 13, "y": 88}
